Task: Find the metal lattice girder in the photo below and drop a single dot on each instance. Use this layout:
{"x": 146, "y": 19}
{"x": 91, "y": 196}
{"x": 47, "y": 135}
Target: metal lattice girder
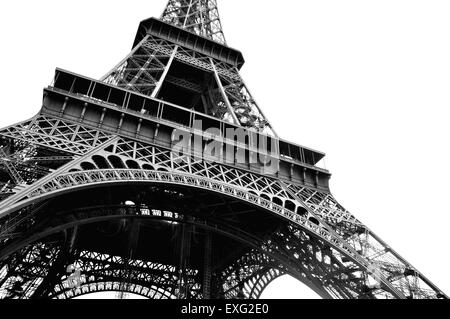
{"x": 10, "y": 167}
{"x": 311, "y": 262}
{"x": 198, "y": 16}
{"x": 216, "y": 178}
{"x": 238, "y": 279}
{"x": 261, "y": 282}
{"x": 24, "y": 272}
{"x": 398, "y": 271}
{"x": 39, "y": 146}
{"x": 144, "y": 68}
{"x": 55, "y": 134}
{"x": 152, "y": 280}
{"x": 63, "y": 137}
{"x": 108, "y": 286}
{"x": 240, "y": 99}
{"x": 97, "y": 271}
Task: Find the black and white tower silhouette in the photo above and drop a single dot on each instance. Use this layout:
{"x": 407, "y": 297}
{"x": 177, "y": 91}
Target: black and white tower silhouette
{"x": 165, "y": 179}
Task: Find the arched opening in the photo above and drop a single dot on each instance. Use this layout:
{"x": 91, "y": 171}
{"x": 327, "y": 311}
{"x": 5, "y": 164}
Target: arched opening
{"x": 290, "y": 205}
{"x": 148, "y": 167}
{"x": 302, "y": 211}
{"x": 87, "y": 166}
{"x": 314, "y": 221}
{"x": 278, "y": 201}
{"x": 253, "y": 193}
{"x": 132, "y": 164}
{"x": 116, "y": 162}
{"x": 101, "y": 162}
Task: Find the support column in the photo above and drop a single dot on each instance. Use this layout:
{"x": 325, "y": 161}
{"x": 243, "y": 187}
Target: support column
{"x": 58, "y": 269}
{"x": 133, "y": 237}
{"x": 164, "y": 75}
{"x": 185, "y": 252}
{"x": 224, "y": 95}
{"x": 207, "y": 266}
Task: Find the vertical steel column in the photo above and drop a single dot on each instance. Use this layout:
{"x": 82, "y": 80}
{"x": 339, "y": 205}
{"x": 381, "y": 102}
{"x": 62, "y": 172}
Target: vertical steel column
{"x": 207, "y": 266}
{"x": 185, "y": 249}
{"x": 133, "y": 237}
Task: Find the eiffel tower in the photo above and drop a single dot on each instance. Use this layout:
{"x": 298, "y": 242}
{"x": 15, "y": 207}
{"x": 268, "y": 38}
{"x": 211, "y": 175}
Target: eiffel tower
{"x": 165, "y": 179}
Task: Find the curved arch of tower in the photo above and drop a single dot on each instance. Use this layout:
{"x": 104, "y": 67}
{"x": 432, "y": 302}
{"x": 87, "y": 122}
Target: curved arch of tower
{"x": 165, "y": 179}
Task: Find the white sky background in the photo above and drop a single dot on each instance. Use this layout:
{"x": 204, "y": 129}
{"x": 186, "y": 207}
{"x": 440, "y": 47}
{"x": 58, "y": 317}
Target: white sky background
{"x": 367, "y": 82}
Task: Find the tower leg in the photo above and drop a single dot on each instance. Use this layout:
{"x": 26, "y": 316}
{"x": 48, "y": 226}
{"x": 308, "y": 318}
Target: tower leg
{"x": 58, "y": 269}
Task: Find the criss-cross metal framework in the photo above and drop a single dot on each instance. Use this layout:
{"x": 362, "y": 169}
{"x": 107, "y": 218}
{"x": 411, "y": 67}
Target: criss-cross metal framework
{"x": 94, "y": 198}
{"x": 198, "y": 16}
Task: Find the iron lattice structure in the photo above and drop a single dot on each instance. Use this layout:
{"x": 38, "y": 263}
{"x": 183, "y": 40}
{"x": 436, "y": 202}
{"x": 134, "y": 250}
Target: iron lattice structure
{"x": 94, "y": 197}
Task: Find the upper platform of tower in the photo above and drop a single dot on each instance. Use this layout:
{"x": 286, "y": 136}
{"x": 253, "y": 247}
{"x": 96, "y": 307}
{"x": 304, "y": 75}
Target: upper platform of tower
{"x": 194, "y": 24}
{"x": 188, "y": 39}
